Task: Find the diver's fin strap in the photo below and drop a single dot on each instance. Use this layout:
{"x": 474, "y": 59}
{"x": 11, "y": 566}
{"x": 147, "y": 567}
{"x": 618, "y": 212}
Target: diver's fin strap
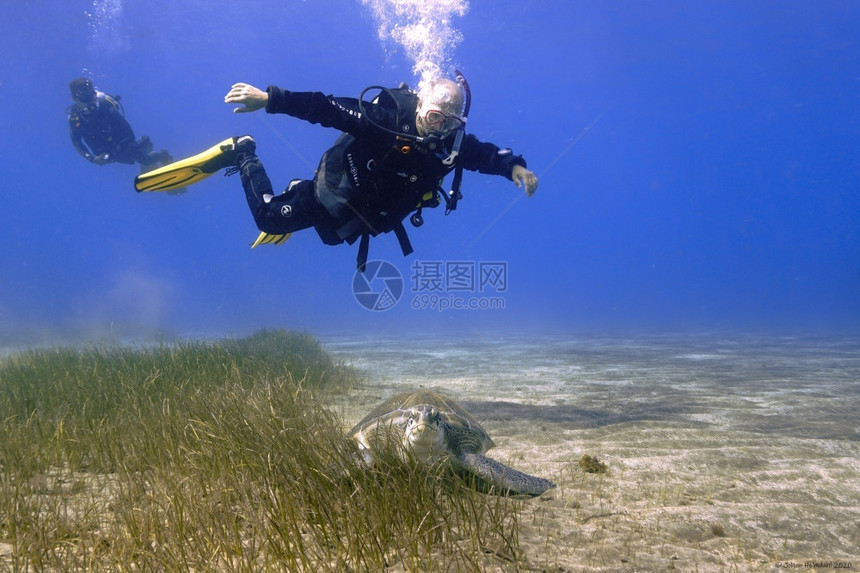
{"x": 267, "y": 239}
{"x": 363, "y": 248}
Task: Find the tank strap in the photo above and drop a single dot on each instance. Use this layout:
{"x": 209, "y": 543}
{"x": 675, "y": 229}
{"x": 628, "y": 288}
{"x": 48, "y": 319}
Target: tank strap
{"x": 364, "y": 246}
{"x": 403, "y": 239}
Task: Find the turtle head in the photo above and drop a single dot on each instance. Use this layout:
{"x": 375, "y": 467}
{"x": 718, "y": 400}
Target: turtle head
{"x": 425, "y": 432}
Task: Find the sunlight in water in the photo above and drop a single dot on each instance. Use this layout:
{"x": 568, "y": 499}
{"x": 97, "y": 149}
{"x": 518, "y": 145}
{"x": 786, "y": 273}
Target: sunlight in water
{"x": 423, "y": 28}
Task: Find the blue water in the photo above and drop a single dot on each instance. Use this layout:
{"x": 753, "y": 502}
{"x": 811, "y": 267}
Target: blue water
{"x": 698, "y": 168}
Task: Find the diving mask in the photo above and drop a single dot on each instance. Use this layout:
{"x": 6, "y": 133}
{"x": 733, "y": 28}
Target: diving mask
{"x": 437, "y": 121}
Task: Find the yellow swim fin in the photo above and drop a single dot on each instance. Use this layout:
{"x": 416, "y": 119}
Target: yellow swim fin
{"x": 184, "y": 172}
{"x": 267, "y": 239}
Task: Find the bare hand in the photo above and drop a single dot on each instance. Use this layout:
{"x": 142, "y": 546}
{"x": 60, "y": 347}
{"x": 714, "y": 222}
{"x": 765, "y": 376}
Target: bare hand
{"x": 250, "y": 97}
{"x": 524, "y": 179}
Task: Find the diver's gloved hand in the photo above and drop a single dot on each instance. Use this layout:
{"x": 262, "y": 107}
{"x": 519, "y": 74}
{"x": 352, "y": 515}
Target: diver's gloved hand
{"x": 524, "y": 179}
{"x": 101, "y": 159}
{"x": 246, "y": 94}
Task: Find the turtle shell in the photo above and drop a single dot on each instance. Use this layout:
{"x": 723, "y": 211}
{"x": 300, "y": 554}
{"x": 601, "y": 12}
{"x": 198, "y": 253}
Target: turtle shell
{"x": 462, "y": 426}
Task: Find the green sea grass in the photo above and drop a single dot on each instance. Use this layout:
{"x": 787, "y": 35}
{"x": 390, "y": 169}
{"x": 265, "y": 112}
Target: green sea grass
{"x": 218, "y": 456}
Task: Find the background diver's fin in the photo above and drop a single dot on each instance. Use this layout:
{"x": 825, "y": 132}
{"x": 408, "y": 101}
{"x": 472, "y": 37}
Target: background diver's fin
{"x": 185, "y": 171}
{"x": 267, "y": 239}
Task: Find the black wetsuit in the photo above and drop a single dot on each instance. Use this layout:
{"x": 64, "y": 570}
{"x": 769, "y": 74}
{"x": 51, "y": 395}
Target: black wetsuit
{"x": 98, "y": 128}
{"x": 370, "y": 180}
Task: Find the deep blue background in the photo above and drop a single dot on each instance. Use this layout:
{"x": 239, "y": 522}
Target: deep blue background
{"x": 716, "y": 188}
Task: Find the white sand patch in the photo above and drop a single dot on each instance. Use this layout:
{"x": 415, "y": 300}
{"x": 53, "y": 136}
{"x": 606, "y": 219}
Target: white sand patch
{"x": 737, "y": 459}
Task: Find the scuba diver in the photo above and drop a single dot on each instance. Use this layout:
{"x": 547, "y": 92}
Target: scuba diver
{"x": 389, "y": 161}
{"x": 101, "y": 134}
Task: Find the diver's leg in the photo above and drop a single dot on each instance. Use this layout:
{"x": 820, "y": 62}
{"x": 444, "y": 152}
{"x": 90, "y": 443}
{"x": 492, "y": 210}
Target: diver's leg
{"x": 145, "y": 145}
{"x": 160, "y": 158}
{"x": 126, "y": 152}
{"x": 142, "y": 150}
{"x": 147, "y": 157}
{"x": 293, "y": 210}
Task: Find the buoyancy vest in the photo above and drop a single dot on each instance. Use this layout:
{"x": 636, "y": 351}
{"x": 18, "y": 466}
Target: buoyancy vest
{"x": 369, "y": 185}
{"x": 101, "y": 123}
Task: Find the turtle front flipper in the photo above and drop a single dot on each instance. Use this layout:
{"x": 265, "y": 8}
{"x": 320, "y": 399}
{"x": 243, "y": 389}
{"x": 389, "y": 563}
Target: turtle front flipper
{"x": 504, "y": 478}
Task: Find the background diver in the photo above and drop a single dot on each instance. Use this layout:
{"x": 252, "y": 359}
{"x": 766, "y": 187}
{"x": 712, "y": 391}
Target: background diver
{"x": 389, "y": 162}
{"x": 101, "y": 134}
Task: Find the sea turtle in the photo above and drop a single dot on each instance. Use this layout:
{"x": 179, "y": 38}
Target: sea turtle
{"x": 435, "y": 427}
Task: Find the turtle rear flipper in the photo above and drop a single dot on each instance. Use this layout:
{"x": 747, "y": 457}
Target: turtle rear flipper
{"x": 504, "y": 478}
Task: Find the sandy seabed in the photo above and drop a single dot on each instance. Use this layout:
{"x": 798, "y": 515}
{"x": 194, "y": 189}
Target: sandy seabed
{"x": 723, "y": 454}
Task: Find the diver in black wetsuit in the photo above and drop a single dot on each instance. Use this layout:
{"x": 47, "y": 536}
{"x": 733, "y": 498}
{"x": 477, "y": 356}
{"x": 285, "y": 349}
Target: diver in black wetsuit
{"x": 389, "y": 162}
{"x": 101, "y": 134}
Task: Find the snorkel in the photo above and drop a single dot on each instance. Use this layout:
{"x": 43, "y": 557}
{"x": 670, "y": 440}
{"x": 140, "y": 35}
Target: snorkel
{"x": 455, "y": 151}
{"x": 454, "y": 194}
